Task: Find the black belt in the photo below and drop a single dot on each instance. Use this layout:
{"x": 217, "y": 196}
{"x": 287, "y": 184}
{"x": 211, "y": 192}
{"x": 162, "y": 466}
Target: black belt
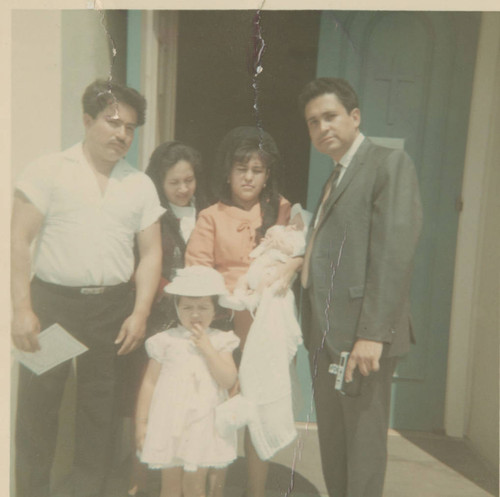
{"x": 83, "y": 290}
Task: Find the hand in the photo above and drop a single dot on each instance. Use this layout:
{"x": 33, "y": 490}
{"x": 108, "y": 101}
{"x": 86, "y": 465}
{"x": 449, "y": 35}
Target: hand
{"x": 285, "y": 273}
{"x": 242, "y": 284}
{"x": 283, "y": 280}
{"x": 131, "y": 333}
{"x": 365, "y": 355}
{"x": 282, "y": 245}
{"x": 25, "y": 330}
{"x": 201, "y": 340}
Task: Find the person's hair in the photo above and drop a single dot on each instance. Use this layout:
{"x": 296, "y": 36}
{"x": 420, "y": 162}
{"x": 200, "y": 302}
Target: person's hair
{"x": 321, "y": 86}
{"x": 238, "y": 146}
{"x": 222, "y": 319}
{"x": 167, "y": 155}
{"x": 176, "y": 299}
{"x": 214, "y": 298}
{"x": 101, "y": 93}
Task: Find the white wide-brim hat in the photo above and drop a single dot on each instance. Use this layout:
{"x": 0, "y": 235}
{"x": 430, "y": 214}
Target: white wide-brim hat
{"x": 197, "y": 281}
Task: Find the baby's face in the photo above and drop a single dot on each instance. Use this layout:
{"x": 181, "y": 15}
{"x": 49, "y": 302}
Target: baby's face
{"x": 296, "y": 222}
{"x": 276, "y": 238}
{"x": 195, "y": 310}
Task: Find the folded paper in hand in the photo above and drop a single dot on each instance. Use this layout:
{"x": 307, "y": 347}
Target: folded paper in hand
{"x": 56, "y": 346}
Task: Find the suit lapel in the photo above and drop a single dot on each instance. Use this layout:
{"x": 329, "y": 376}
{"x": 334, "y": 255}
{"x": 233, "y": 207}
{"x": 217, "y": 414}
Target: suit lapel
{"x": 357, "y": 163}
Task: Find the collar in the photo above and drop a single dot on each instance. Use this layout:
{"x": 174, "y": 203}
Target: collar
{"x": 183, "y": 211}
{"x": 347, "y": 157}
{"x": 75, "y": 154}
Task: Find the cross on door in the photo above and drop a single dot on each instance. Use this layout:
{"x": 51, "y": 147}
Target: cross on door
{"x": 394, "y": 78}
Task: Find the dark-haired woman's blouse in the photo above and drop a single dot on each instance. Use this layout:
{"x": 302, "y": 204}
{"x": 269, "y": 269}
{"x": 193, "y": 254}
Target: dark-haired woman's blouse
{"x": 224, "y": 236}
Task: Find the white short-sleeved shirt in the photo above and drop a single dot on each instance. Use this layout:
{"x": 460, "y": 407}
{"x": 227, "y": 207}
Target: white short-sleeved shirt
{"x": 87, "y": 237}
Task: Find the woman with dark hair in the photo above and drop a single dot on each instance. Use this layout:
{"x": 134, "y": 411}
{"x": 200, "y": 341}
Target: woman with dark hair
{"x": 248, "y": 165}
{"x": 238, "y": 146}
{"x": 175, "y": 169}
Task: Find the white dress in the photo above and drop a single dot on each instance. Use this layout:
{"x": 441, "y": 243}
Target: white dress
{"x": 272, "y": 341}
{"x": 181, "y": 422}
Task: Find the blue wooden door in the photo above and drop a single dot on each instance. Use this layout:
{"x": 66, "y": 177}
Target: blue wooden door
{"x": 413, "y": 73}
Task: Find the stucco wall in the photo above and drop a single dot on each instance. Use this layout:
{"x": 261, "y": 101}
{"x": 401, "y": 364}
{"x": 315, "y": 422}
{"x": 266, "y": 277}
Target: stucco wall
{"x": 472, "y": 382}
{"x": 85, "y": 56}
{"x": 482, "y": 426}
{"x": 36, "y": 85}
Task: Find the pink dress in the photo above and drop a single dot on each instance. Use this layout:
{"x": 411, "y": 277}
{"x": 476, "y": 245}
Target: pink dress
{"x": 181, "y": 422}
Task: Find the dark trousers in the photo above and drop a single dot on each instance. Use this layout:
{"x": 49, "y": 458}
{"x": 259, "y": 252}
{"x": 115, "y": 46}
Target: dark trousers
{"x": 95, "y": 320}
{"x": 352, "y": 430}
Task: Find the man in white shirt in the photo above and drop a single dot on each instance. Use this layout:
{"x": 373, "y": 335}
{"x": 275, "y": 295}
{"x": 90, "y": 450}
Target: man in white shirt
{"x": 85, "y": 206}
{"x": 357, "y": 272}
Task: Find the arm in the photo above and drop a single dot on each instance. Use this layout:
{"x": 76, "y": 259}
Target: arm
{"x": 284, "y": 211}
{"x": 285, "y": 274}
{"x": 144, "y": 400}
{"x": 366, "y": 356}
{"x": 26, "y": 223}
{"x": 394, "y": 230}
{"x": 220, "y": 364}
{"x": 147, "y": 277}
{"x": 285, "y": 271}
{"x": 242, "y": 284}
{"x": 200, "y": 249}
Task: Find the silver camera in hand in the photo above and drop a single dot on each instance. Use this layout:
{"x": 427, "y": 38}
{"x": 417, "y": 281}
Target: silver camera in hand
{"x": 351, "y": 389}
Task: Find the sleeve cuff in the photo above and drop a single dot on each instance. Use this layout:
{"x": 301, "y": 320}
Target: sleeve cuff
{"x": 151, "y": 217}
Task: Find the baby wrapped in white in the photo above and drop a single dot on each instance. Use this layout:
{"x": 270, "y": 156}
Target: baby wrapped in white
{"x": 272, "y": 341}
{"x": 279, "y": 244}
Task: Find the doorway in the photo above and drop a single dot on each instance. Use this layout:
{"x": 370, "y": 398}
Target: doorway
{"x": 215, "y": 76}
{"x": 413, "y": 73}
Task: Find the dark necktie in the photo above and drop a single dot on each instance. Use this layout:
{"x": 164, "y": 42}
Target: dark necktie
{"x": 330, "y": 185}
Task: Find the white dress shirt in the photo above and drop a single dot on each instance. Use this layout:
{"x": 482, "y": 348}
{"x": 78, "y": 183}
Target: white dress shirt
{"x": 344, "y": 163}
{"x": 347, "y": 157}
{"x": 87, "y": 236}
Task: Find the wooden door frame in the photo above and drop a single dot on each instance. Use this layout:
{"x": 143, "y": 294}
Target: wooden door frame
{"x": 155, "y": 60}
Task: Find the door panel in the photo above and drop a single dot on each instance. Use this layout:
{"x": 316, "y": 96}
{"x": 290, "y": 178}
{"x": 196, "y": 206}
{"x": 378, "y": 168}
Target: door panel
{"x": 413, "y": 74}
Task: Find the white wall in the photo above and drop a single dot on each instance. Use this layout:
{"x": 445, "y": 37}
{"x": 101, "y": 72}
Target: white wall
{"x": 55, "y": 55}
{"x": 482, "y": 425}
{"x": 36, "y": 85}
{"x": 472, "y": 384}
{"x": 85, "y": 56}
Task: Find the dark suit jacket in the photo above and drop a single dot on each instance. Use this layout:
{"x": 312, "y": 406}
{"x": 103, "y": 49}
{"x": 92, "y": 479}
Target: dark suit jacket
{"x": 362, "y": 257}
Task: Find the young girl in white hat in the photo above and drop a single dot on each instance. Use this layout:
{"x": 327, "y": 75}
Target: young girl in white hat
{"x": 188, "y": 375}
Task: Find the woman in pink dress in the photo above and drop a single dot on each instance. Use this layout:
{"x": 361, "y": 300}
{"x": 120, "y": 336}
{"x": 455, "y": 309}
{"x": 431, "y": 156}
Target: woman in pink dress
{"x": 249, "y": 203}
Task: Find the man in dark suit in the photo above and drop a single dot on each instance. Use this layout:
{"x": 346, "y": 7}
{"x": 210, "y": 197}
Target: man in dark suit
{"x": 357, "y": 271}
